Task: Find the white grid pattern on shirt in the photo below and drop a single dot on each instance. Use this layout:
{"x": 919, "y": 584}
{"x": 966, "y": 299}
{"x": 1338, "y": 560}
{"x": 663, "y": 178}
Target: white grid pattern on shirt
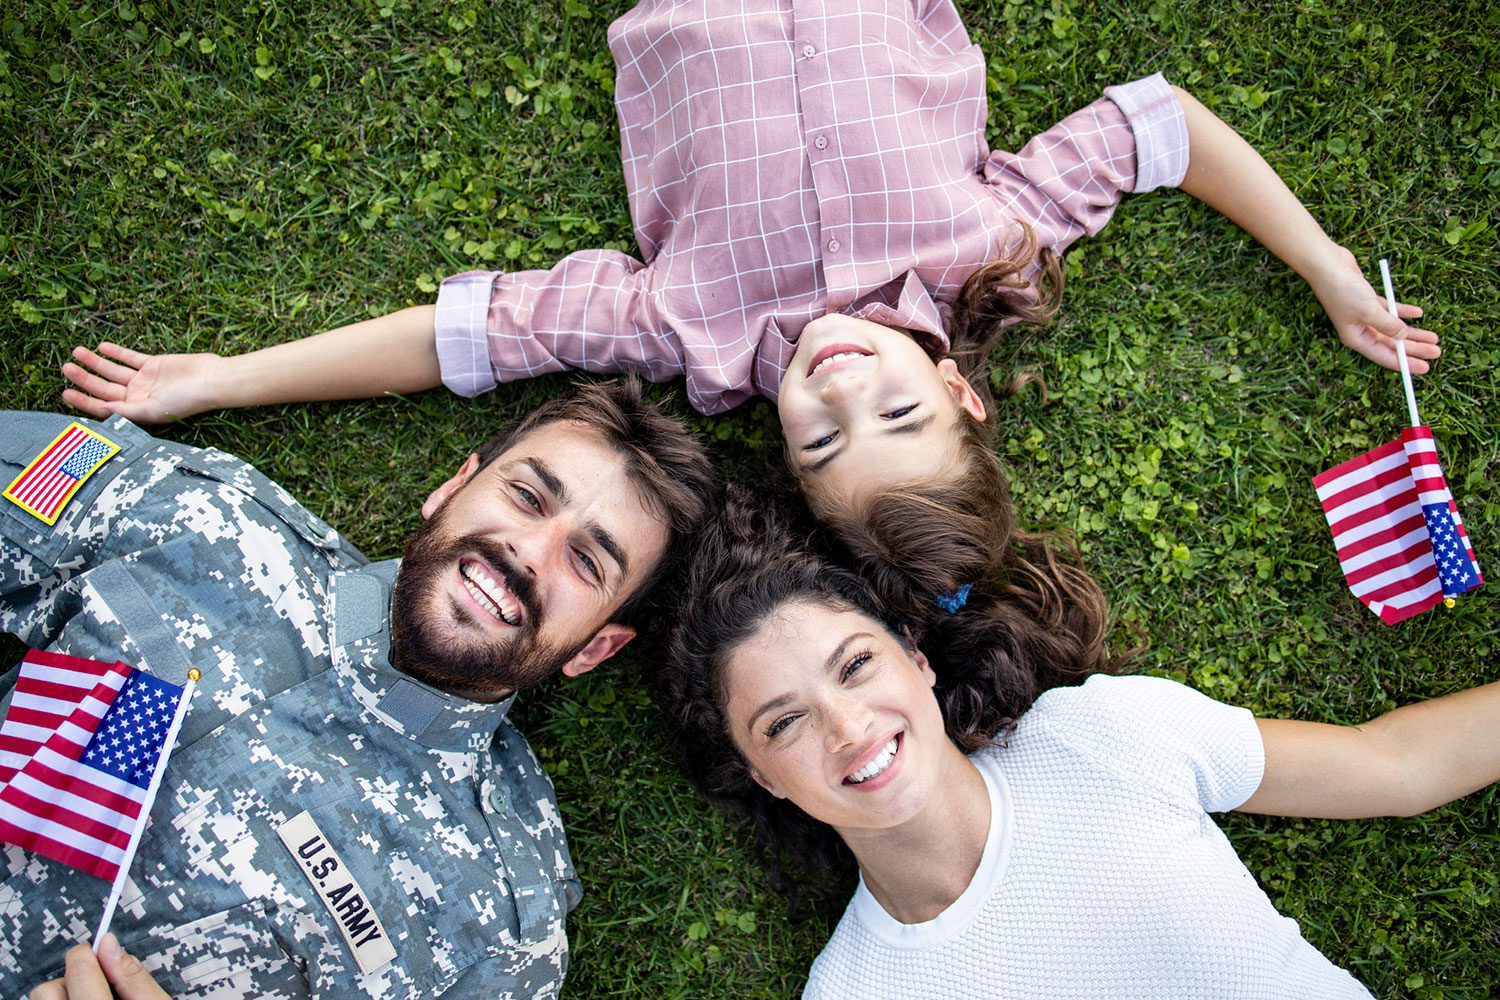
{"x": 736, "y": 209}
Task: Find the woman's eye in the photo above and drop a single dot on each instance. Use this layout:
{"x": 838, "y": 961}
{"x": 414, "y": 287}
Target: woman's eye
{"x": 854, "y": 666}
{"x": 822, "y": 442}
{"x": 776, "y": 728}
{"x": 527, "y": 498}
{"x": 900, "y": 411}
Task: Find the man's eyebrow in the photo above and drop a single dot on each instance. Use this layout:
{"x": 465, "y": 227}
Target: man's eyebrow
{"x": 608, "y": 544}
{"x": 555, "y": 486}
{"x": 548, "y": 477}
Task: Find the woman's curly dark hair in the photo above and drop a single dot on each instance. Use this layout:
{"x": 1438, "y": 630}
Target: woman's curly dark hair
{"x": 992, "y": 659}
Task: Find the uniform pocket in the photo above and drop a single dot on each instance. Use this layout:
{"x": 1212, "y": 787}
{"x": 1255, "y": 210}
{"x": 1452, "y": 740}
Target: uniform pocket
{"x": 225, "y": 956}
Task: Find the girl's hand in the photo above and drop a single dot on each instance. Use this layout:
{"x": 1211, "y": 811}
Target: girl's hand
{"x": 1363, "y": 321}
{"x": 145, "y": 388}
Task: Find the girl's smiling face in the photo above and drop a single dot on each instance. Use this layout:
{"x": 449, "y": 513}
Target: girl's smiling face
{"x": 862, "y": 405}
{"x": 834, "y": 713}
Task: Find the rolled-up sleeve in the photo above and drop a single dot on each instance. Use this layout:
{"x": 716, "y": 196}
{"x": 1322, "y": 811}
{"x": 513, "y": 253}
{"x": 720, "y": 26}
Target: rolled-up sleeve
{"x": 1067, "y": 181}
{"x": 1160, "y": 128}
{"x": 593, "y": 312}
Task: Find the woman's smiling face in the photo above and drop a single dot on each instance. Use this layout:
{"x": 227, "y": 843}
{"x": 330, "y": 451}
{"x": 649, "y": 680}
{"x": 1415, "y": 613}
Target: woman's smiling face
{"x": 834, "y": 713}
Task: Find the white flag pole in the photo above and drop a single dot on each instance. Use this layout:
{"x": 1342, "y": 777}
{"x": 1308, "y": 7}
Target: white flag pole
{"x": 1390, "y": 301}
{"x": 140, "y": 826}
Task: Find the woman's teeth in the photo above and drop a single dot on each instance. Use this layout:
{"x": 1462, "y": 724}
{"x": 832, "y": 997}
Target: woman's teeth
{"x": 875, "y": 767}
{"x": 843, "y": 355}
{"x": 490, "y": 594}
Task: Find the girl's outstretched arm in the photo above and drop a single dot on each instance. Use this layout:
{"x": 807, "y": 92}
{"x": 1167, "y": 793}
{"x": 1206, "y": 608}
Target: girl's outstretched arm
{"x": 1403, "y": 763}
{"x": 391, "y": 354}
{"x": 1225, "y": 172}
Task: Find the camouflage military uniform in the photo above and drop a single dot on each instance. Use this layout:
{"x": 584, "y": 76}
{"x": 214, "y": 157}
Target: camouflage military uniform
{"x": 305, "y": 759}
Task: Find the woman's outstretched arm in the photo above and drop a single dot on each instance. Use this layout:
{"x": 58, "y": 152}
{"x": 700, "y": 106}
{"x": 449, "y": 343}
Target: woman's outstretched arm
{"x": 1403, "y": 763}
{"x": 392, "y": 354}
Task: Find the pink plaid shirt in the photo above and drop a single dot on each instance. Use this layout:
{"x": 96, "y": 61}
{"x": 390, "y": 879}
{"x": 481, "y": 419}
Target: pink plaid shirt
{"x": 791, "y": 160}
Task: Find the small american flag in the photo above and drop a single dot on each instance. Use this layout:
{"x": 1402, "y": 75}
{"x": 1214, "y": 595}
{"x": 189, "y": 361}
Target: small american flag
{"x": 79, "y": 748}
{"x": 46, "y": 485}
{"x": 1401, "y": 542}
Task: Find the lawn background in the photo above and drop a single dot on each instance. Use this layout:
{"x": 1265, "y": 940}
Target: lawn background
{"x": 221, "y": 176}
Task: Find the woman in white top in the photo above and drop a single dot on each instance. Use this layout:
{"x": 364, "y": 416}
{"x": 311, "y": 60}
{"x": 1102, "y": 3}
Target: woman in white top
{"x": 1013, "y": 837}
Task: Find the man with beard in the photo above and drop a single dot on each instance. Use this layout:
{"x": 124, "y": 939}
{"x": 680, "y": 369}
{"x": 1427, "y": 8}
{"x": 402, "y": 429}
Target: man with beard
{"x": 349, "y": 811}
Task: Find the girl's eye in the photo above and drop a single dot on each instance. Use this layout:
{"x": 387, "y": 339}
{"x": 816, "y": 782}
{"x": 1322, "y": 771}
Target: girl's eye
{"x": 776, "y": 728}
{"x": 589, "y": 566}
{"x": 822, "y": 442}
{"x": 900, "y": 411}
{"x": 854, "y": 666}
{"x": 527, "y": 498}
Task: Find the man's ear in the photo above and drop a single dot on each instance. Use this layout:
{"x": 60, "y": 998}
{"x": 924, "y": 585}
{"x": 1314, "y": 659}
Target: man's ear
{"x": 436, "y": 497}
{"x": 963, "y": 393}
{"x": 764, "y": 782}
{"x": 605, "y": 643}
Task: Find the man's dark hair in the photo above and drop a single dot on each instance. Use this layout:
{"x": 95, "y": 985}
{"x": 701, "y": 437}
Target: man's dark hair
{"x": 662, "y": 458}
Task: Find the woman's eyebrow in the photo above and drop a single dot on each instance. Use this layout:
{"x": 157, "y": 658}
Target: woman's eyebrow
{"x": 773, "y": 704}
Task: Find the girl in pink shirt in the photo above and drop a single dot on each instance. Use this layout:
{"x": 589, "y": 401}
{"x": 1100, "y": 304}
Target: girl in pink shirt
{"x": 810, "y": 193}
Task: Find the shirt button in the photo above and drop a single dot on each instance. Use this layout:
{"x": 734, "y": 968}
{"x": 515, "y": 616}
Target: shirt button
{"x": 833, "y": 246}
{"x": 499, "y": 801}
{"x": 821, "y": 142}
{"x": 809, "y": 51}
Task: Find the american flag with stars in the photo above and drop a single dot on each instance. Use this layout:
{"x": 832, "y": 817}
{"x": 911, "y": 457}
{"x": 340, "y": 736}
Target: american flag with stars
{"x": 46, "y": 485}
{"x": 1401, "y": 542}
{"x": 79, "y": 747}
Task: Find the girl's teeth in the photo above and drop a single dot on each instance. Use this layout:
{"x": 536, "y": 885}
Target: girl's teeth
{"x": 877, "y": 766}
{"x": 835, "y": 357}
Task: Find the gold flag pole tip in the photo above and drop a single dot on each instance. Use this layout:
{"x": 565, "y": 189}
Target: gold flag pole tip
{"x": 1449, "y": 603}
{"x": 193, "y": 674}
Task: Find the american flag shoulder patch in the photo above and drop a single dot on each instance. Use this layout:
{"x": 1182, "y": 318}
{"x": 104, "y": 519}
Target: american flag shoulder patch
{"x": 45, "y": 486}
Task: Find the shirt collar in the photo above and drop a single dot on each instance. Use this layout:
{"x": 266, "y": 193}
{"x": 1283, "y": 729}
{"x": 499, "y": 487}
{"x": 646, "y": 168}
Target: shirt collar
{"x": 361, "y": 639}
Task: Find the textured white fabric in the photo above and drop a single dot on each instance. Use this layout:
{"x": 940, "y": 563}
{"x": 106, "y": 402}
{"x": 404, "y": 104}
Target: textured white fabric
{"x": 1103, "y": 875}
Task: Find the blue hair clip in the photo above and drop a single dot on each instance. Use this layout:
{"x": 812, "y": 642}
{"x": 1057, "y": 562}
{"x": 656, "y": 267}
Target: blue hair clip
{"x": 952, "y": 602}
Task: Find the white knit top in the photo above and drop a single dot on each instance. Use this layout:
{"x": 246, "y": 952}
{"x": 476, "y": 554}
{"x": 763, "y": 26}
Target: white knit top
{"x": 1102, "y": 875}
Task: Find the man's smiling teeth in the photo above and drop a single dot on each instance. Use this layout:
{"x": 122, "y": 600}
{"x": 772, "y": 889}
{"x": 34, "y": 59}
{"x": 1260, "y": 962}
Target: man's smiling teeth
{"x": 842, "y": 355}
{"x": 490, "y": 594}
{"x": 875, "y": 767}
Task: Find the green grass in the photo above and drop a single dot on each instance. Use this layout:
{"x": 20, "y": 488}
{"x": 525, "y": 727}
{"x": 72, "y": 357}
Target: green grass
{"x": 227, "y": 175}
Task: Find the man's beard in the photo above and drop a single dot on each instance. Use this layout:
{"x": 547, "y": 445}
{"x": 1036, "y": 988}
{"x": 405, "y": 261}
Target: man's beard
{"x": 457, "y": 657}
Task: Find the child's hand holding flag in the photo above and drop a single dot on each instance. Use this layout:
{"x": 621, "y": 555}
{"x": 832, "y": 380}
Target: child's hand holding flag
{"x": 1401, "y": 542}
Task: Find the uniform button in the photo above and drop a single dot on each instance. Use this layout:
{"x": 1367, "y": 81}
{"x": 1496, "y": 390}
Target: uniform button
{"x": 821, "y": 142}
{"x": 809, "y": 51}
{"x": 833, "y": 246}
{"x": 499, "y": 801}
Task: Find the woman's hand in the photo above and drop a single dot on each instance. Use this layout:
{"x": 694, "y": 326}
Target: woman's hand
{"x": 113, "y": 974}
{"x": 1362, "y": 319}
{"x": 145, "y": 388}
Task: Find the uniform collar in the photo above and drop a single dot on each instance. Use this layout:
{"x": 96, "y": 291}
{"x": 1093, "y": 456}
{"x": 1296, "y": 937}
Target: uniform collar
{"x": 361, "y": 639}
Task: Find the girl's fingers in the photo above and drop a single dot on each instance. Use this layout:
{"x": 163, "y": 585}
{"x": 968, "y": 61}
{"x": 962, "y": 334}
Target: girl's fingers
{"x": 110, "y": 370}
{"x": 135, "y": 358}
{"x": 1403, "y": 309}
{"x": 86, "y": 404}
{"x": 93, "y": 384}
